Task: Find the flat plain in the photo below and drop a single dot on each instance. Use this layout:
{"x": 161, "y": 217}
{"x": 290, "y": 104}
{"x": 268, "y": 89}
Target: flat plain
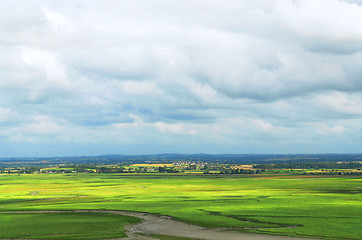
{"x": 325, "y": 207}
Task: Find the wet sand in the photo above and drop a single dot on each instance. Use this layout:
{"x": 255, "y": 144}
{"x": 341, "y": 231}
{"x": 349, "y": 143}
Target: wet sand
{"x": 165, "y": 225}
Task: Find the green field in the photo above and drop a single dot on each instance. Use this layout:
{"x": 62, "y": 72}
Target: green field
{"x": 63, "y": 225}
{"x": 326, "y": 207}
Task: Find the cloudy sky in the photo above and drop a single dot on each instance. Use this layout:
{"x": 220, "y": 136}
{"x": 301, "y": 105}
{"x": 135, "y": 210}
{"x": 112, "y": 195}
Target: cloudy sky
{"x": 86, "y": 77}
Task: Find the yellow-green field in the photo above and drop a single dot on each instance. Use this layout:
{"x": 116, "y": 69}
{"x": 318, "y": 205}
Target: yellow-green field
{"x": 326, "y": 207}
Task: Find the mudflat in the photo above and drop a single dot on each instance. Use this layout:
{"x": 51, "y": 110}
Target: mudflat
{"x": 165, "y": 225}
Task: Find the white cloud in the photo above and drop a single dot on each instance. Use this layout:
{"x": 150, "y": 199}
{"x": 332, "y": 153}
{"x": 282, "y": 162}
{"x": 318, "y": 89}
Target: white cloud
{"x": 325, "y": 130}
{"x": 4, "y": 114}
{"x": 131, "y": 88}
{"x": 185, "y": 73}
{"x": 342, "y": 103}
{"x": 325, "y": 25}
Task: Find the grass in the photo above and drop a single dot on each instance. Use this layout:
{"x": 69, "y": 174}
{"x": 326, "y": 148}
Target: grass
{"x": 326, "y": 207}
{"x": 63, "y": 225}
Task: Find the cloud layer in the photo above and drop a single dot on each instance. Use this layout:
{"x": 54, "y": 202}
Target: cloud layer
{"x": 93, "y": 77}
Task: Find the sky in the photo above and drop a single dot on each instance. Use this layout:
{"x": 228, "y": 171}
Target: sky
{"x": 89, "y": 77}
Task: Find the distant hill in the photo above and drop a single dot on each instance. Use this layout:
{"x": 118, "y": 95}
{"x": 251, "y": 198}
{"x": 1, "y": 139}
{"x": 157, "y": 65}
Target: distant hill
{"x": 171, "y": 157}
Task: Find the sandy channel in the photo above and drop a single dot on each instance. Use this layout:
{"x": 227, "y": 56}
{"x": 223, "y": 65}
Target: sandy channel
{"x": 165, "y": 225}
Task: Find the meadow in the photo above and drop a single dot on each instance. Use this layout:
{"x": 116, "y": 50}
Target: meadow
{"x": 325, "y": 207}
{"x": 63, "y": 225}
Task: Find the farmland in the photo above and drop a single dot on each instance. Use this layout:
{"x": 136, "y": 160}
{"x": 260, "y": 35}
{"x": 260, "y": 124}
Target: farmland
{"x": 326, "y": 207}
{"x": 197, "y": 167}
